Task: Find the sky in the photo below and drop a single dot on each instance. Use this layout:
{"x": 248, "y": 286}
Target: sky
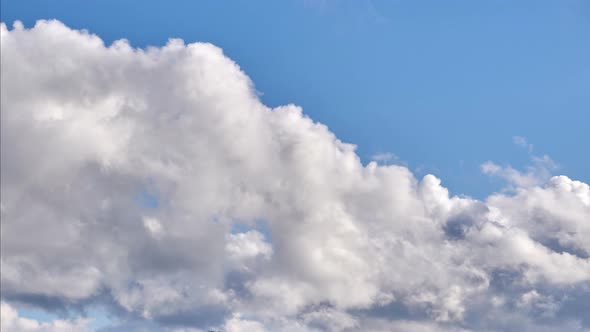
{"x": 442, "y": 85}
{"x": 296, "y": 166}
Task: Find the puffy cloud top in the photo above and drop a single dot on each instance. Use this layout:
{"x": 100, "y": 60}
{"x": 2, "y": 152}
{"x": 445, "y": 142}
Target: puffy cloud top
{"x": 155, "y": 182}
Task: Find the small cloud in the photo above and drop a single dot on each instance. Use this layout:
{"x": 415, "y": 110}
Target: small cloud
{"x": 385, "y": 157}
{"x": 539, "y": 172}
{"x": 545, "y": 305}
{"x": 153, "y": 225}
{"x": 522, "y": 142}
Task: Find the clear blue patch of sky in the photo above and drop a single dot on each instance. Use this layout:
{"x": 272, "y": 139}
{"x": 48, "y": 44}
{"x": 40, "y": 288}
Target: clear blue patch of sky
{"x": 99, "y": 318}
{"x": 442, "y": 84}
{"x": 36, "y": 314}
{"x": 148, "y": 199}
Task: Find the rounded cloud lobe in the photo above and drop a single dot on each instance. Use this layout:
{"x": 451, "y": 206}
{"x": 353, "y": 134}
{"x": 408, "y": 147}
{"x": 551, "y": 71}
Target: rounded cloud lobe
{"x": 154, "y": 182}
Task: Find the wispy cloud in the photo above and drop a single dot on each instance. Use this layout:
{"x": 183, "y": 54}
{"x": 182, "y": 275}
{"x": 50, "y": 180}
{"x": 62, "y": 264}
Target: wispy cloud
{"x": 523, "y": 143}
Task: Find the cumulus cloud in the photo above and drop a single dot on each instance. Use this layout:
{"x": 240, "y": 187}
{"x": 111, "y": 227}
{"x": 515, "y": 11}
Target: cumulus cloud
{"x": 259, "y": 219}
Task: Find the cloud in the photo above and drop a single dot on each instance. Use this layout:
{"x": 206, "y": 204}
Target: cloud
{"x": 522, "y": 142}
{"x": 13, "y": 322}
{"x": 385, "y": 157}
{"x": 88, "y": 130}
{"x": 535, "y": 175}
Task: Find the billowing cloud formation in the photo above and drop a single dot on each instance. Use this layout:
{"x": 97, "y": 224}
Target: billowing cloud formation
{"x": 154, "y": 182}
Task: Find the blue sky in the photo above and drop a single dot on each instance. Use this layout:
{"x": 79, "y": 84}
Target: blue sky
{"x": 443, "y": 85}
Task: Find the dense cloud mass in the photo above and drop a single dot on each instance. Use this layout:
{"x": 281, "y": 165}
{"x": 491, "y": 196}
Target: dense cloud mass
{"x": 155, "y": 183}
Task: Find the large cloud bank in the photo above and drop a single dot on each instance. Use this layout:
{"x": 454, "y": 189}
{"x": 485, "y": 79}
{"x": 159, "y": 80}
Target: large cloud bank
{"x": 155, "y": 183}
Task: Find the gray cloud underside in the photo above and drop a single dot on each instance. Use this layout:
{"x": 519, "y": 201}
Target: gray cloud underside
{"x": 156, "y": 184}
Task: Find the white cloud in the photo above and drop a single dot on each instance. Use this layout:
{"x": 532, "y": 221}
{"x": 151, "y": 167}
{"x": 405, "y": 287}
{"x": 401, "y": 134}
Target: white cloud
{"x": 522, "y": 142}
{"x": 533, "y": 300}
{"x": 87, "y": 129}
{"x": 153, "y": 225}
{"x": 247, "y": 245}
{"x": 237, "y": 324}
{"x": 537, "y": 174}
{"x": 384, "y": 157}
{"x": 11, "y": 321}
